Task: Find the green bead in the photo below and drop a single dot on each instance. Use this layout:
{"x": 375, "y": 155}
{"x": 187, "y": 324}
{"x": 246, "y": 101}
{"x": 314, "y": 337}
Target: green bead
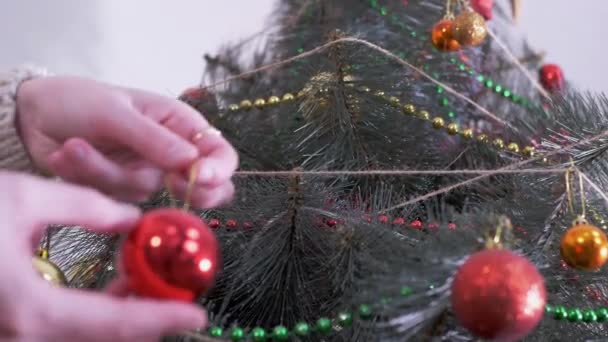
{"x": 216, "y": 331}
{"x": 602, "y": 314}
{"x": 439, "y": 90}
{"x": 589, "y": 316}
{"x": 548, "y": 309}
{"x": 524, "y": 102}
{"x": 444, "y": 101}
{"x": 480, "y": 78}
{"x": 559, "y": 312}
{"x": 506, "y": 93}
{"x": 365, "y": 311}
{"x": 280, "y": 333}
{"x": 575, "y": 315}
{"x": 345, "y": 319}
{"x": 413, "y": 34}
{"x": 406, "y": 291}
{"x": 300, "y": 50}
{"x": 462, "y": 67}
{"x": 489, "y": 83}
{"x": 435, "y": 75}
{"x": 302, "y": 329}
{"x": 451, "y": 114}
{"x": 324, "y": 325}
{"x": 258, "y": 334}
{"x": 515, "y": 98}
{"x": 453, "y": 60}
{"x": 498, "y": 88}
{"x": 471, "y": 72}
{"x": 237, "y": 334}
{"x": 385, "y": 301}
{"x": 373, "y": 3}
{"x": 432, "y": 286}
{"x": 383, "y": 11}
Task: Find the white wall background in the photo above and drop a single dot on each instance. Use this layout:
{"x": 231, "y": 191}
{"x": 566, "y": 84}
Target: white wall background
{"x": 158, "y": 44}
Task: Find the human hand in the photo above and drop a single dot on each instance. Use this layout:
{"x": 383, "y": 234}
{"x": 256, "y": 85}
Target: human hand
{"x": 32, "y": 310}
{"x": 123, "y": 141}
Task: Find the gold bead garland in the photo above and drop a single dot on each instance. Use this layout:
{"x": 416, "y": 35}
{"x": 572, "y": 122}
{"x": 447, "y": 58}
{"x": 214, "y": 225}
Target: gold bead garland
{"x": 408, "y": 108}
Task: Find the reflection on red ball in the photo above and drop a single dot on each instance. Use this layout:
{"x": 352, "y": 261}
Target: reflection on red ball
{"x": 171, "y": 254}
{"x": 498, "y": 295}
{"x": 552, "y": 77}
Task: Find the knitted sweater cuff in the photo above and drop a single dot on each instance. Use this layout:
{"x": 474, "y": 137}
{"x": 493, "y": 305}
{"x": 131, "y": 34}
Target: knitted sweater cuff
{"x": 13, "y": 154}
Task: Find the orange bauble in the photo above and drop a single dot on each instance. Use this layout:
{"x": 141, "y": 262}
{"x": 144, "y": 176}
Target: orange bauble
{"x": 584, "y": 247}
{"x": 442, "y": 36}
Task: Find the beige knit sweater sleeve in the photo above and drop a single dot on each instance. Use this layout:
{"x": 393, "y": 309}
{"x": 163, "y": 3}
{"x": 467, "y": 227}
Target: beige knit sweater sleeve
{"x": 13, "y": 154}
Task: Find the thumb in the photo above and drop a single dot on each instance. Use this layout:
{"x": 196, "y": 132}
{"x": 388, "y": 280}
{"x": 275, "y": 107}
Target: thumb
{"x": 84, "y": 316}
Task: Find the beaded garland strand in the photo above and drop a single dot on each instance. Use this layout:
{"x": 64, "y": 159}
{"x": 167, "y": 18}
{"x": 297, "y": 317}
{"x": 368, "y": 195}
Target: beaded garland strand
{"x": 461, "y": 65}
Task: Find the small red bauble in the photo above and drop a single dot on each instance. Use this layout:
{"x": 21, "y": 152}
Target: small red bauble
{"x": 551, "y": 77}
{"x": 483, "y": 7}
{"x": 416, "y": 224}
{"x": 498, "y": 295}
{"x": 214, "y": 223}
{"x": 231, "y": 223}
{"x": 442, "y": 36}
{"x": 383, "y": 218}
{"x": 171, "y": 254}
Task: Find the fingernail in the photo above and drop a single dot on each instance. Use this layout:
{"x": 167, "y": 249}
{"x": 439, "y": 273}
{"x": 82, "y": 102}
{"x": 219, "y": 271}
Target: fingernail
{"x": 206, "y": 174}
{"x": 79, "y": 152}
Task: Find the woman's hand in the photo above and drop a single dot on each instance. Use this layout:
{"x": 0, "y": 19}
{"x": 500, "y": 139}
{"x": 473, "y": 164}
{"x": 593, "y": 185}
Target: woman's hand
{"x": 122, "y": 141}
{"x": 32, "y": 310}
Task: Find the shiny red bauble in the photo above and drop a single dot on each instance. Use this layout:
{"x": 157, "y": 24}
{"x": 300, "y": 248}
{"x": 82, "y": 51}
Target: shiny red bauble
{"x": 171, "y": 254}
{"x": 498, "y": 295}
{"x": 551, "y": 77}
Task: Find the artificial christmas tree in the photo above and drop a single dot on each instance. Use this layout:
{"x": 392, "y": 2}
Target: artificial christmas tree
{"x": 374, "y": 161}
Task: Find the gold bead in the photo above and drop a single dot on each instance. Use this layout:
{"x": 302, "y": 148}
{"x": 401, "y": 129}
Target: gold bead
{"x": 246, "y": 104}
{"x": 379, "y": 93}
{"x": 394, "y": 100}
{"x": 498, "y": 143}
{"x": 409, "y": 109}
{"x": 545, "y": 160}
{"x": 259, "y": 103}
{"x": 348, "y": 79}
{"x": 288, "y": 97}
{"x": 513, "y": 147}
{"x": 49, "y": 271}
{"x": 482, "y": 138}
{"x": 364, "y": 89}
{"x": 438, "y": 122}
{"x": 453, "y": 128}
{"x": 529, "y": 151}
{"x": 273, "y": 100}
{"x": 301, "y": 93}
{"x": 233, "y": 107}
{"x": 467, "y": 133}
{"x": 424, "y": 115}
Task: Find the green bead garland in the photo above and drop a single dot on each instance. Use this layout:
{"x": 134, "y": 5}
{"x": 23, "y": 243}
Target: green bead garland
{"x": 324, "y": 325}
{"x": 345, "y": 319}
{"x": 280, "y": 333}
{"x": 365, "y": 311}
{"x": 575, "y": 315}
{"x": 302, "y": 329}
{"x": 237, "y": 334}
{"x": 258, "y": 334}
{"x": 216, "y": 331}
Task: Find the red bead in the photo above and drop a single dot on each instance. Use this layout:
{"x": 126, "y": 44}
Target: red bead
{"x": 451, "y": 226}
{"x": 399, "y": 220}
{"x": 214, "y": 223}
{"x": 483, "y": 7}
{"x": 433, "y": 225}
{"x": 497, "y": 294}
{"x": 383, "y": 218}
{"x": 231, "y": 223}
{"x": 417, "y": 224}
{"x": 367, "y": 218}
{"x": 331, "y": 222}
{"x": 170, "y": 254}
{"x": 551, "y": 77}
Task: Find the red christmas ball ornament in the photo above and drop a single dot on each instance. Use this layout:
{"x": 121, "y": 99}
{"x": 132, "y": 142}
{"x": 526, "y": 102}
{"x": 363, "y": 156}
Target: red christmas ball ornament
{"x": 498, "y": 295}
{"x": 382, "y": 218}
{"x": 483, "y": 7}
{"x": 442, "y": 36}
{"x": 551, "y": 77}
{"x": 171, "y": 254}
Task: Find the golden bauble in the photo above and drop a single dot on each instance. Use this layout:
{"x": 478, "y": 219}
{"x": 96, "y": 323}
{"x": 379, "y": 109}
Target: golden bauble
{"x": 49, "y": 271}
{"x": 273, "y": 100}
{"x": 469, "y": 28}
{"x": 438, "y": 122}
{"x": 453, "y": 128}
{"x": 584, "y": 247}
